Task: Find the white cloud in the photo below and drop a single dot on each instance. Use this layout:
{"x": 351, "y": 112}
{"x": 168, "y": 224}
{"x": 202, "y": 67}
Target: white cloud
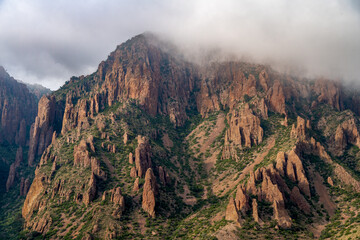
{"x": 49, "y": 41}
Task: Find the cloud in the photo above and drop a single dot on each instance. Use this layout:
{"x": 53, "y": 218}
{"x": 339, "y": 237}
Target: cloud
{"x": 49, "y": 41}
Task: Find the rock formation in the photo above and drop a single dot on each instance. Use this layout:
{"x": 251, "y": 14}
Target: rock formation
{"x": 82, "y": 155}
{"x": 346, "y": 132}
{"x": 232, "y": 213}
{"x": 149, "y": 193}
{"x": 42, "y": 130}
{"x": 142, "y": 156}
{"x": 255, "y": 211}
{"x": 11, "y": 177}
{"x": 119, "y": 201}
{"x": 299, "y": 131}
{"x": 277, "y": 98}
{"x": 24, "y": 186}
{"x": 244, "y": 131}
{"x": 90, "y": 193}
{"x": 32, "y": 198}
{"x": 17, "y": 109}
{"x": 136, "y": 185}
{"x": 329, "y": 93}
{"x": 293, "y": 167}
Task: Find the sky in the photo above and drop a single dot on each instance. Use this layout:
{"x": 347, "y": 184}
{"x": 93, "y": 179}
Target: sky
{"x": 47, "y": 42}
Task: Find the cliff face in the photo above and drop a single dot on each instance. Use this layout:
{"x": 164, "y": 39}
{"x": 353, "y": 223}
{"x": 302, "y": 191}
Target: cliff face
{"x": 17, "y": 113}
{"x": 151, "y": 136}
{"x": 17, "y": 109}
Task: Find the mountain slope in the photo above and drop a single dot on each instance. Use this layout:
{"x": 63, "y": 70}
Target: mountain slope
{"x": 152, "y": 146}
{"x": 18, "y": 108}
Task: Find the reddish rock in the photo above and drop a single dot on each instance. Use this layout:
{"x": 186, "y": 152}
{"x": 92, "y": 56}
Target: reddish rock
{"x": 142, "y": 156}
{"x": 296, "y": 172}
{"x": 163, "y": 176}
{"x": 329, "y": 93}
{"x": 96, "y": 169}
{"x": 340, "y": 142}
{"x": 24, "y": 186}
{"x": 90, "y": 142}
{"x": 125, "y": 138}
{"x": 255, "y": 213}
{"x": 264, "y": 80}
{"x": 75, "y": 116}
{"x": 136, "y": 185}
{"x": 17, "y": 109}
{"x": 232, "y": 213}
{"x": 42, "y": 130}
{"x": 32, "y": 198}
{"x": 131, "y": 158}
{"x": 276, "y": 98}
{"x": 11, "y": 177}
{"x": 118, "y": 199}
{"x": 241, "y": 201}
{"x": 81, "y": 155}
{"x": 133, "y": 172}
{"x": 90, "y": 193}
{"x": 330, "y": 181}
{"x": 244, "y": 128}
{"x": 346, "y": 132}
{"x": 299, "y": 131}
{"x": 281, "y": 215}
{"x": 281, "y": 163}
{"x": 149, "y": 193}
{"x": 244, "y": 131}
{"x": 250, "y": 187}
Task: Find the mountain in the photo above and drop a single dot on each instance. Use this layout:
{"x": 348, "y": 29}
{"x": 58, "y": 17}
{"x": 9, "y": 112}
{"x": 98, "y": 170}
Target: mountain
{"x": 38, "y": 90}
{"x": 18, "y": 109}
{"x": 152, "y": 146}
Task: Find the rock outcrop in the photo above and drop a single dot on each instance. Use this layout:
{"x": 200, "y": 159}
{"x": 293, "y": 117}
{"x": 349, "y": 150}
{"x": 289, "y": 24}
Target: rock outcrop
{"x": 119, "y": 201}
{"x": 268, "y": 185}
{"x": 232, "y": 213}
{"x": 330, "y": 93}
{"x": 276, "y": 98}
{"x": 75, "y": 116}
{"x": 291, "y": 165}
{"x": 17, "y": 109}
{"x": 244, "y": 131}
{"x": 136, "y": 185}
{"x": 11, "y": 177}
{"x": 12, "y": 171}
{"x": 142, "y": 156}
{"x": 82, "y": 155}
{"x": 150, "y": 190}
{"x": 91, "y": 190}
{"x": 24, "y": 186}
{"x": 32, "y": 198}
{"x": 42, "y": 130}
{"x": 163, "y": 175}
{"x": 346, "y": 133}
{"x": 299, "y": 131}
{"x": 255, "y": 211}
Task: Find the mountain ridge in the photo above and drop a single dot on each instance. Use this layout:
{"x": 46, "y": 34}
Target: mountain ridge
{"x": 135, "y": 137}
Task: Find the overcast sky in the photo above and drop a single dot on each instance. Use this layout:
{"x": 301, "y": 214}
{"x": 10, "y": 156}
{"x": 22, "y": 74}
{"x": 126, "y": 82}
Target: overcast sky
{"x": 47, "y": 42}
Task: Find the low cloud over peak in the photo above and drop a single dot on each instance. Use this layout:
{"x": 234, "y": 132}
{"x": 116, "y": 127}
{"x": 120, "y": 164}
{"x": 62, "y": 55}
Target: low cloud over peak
{"x": 47, "y": 42}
